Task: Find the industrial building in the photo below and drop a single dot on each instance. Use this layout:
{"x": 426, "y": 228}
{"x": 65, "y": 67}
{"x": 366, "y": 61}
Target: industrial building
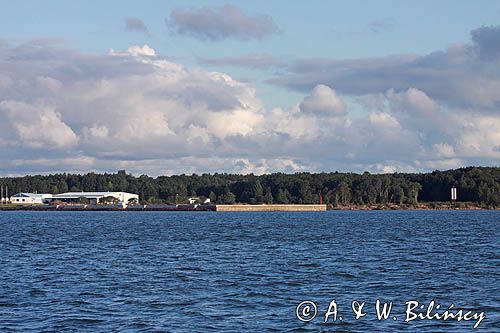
{"x": 96, "y": 198}
{"x": 30, "y": 198}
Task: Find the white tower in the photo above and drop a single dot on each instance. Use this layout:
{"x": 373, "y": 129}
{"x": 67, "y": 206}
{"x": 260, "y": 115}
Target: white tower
{"x": 4, "y": 198}
{"x": 453, "y": 193}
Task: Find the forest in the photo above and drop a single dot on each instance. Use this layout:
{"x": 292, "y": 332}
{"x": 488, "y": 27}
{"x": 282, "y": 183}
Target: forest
{"x": 479, "y": 185}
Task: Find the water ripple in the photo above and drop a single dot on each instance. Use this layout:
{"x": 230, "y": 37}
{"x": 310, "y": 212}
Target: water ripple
{"x": 244, "y": 272}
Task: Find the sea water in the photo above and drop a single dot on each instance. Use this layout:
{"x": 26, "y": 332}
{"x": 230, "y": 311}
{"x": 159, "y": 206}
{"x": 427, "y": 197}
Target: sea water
{"x": 249, "y": 272}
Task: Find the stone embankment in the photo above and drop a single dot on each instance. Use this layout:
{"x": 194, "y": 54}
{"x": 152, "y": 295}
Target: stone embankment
{"x": 270, "y": 208}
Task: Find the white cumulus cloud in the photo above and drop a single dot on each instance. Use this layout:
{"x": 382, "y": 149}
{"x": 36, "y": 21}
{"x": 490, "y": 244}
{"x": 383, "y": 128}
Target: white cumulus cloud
{"x": 140, "y": 111}
{"x": 38, "y": 126}
{"x": 323, "y": 100}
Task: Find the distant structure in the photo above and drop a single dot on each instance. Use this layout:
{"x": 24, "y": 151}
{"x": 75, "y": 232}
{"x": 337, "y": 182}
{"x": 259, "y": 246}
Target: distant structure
{"x": 95, "y": 198}
{"x": 453, "y": 193}
{"x": 4, "y": 195}
{"x": 193, "y": 201}
{"x": 30, "y": 199}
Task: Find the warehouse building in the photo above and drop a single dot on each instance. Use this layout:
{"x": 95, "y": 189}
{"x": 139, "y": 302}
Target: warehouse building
{"x": 95, "y": 198}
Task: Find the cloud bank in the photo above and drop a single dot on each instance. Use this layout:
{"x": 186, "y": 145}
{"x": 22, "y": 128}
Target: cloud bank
{"x": 219, "y": 23}
{"x": 465, "y": 75}
{"x": 62, "y": 110}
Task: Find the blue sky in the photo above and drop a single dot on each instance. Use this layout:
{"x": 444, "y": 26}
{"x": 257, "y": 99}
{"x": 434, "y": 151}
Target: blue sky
{"x": 338, "y": 29}
{"x": 310, "y": 28}
{"x": 349, "y": 47}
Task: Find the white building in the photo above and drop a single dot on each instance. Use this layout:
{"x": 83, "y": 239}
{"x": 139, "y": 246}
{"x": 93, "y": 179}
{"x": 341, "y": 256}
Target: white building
{"x": 97, "y": 197}
{"x": 193, "y": 201}
{"x": 30, "y": 198}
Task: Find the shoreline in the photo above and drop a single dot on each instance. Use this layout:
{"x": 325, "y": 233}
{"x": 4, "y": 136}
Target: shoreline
{"x": 420, "y": 206}
{"x": 250, "y": 208}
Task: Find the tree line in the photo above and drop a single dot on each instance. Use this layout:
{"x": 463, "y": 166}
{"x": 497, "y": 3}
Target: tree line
{"x": 479, "y": 185}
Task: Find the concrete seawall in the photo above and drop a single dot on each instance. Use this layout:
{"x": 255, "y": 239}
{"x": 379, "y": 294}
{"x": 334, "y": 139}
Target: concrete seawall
{"x": 270, "y": 208}
{"x": 132, "y": 208}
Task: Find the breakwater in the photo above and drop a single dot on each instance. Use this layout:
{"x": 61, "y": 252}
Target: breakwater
{"x": 173, "y": 208}
{"x": 270, "y": 208}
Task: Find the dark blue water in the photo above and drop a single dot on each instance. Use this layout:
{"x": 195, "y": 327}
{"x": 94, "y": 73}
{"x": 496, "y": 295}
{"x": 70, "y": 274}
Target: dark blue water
{"x": 244, "y": 272}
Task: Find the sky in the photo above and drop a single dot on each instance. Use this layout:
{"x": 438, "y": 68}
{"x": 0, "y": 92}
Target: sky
{"x": 172, "y": 87}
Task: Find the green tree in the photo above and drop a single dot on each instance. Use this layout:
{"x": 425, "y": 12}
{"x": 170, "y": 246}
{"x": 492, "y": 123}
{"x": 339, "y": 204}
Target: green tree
{"x": 268, "y": 197}
{"x": 229, "y": 198}
{"x": 480, "y": 185}
{"x": 62, "y": 186}
{"x": 398, "y": 193}
{"x": 258, "y": 192}
{"x": 412, "y": 192}
{"x": 344, "y": 193}
{"x": 283, "y": 196}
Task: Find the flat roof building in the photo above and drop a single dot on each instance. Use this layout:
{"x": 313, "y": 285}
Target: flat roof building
{"x": 30, "y": 198}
